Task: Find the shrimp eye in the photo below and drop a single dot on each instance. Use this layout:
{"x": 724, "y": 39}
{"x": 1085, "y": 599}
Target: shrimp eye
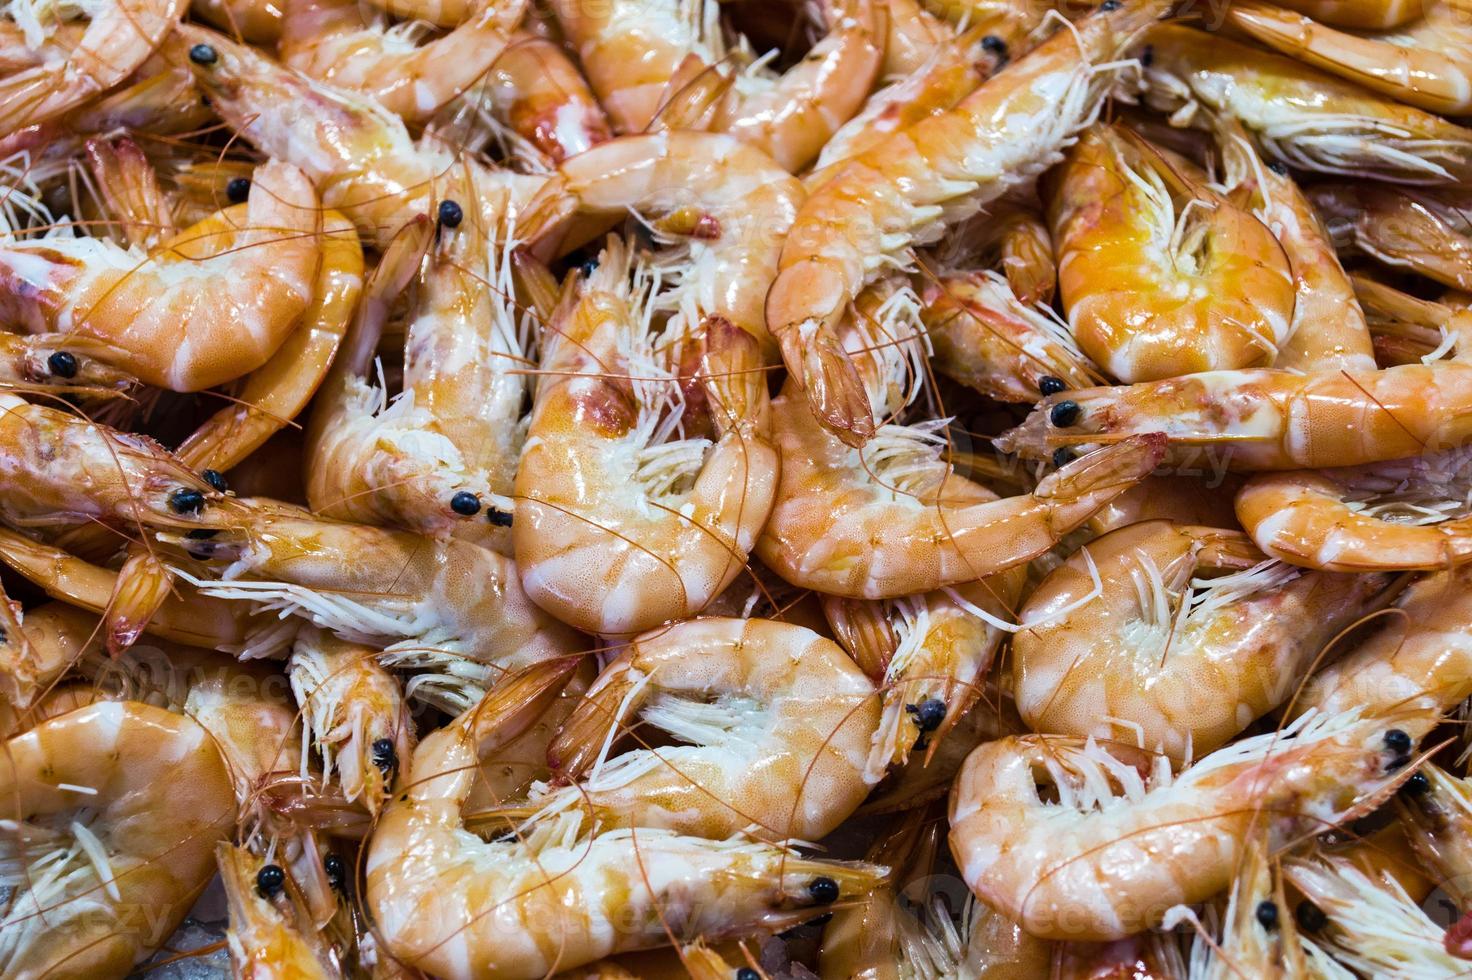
{"x": 215, "y": 479}
{"x": 500, "y": 518}
{"x": 465, "y": 503}
{"x": 1109, "y": 5}
{"x": 238, "y": 189}
{"x": 384, "y": 756}
{"x": 1397, "y": 741}
{"x": 928, "y": 714}
{"x": 747, "y": 973}
{"x": 186, "y": 500}
{"x": 1278, "y": 168}
{"x": 1310, "y": 917}
{"x": 62, "y": 364}
{"x": 1417, "y": 785}
{"x": 823, "y": 890}
{"x": 992, "y": 44}
{"x": 588, "y": 267}
{"x": 203, "y": 54}
{"x": 332, "y": 864}
{"x": 1049, "y": 385}
{"x": 1147, "y": 56}
{"x": 451, "y": 214}
{"x": 1062, "y": 456}
{"x": 1267, "y": 915}
{"x": 269, "y": 881}
{"x": 1065, "y": 413}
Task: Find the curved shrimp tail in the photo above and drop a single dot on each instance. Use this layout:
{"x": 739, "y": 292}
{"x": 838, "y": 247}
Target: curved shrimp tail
{"x": 828, "y": 376}
{"x": 130, "y": 190}
{"x": 583, "y": 736}
{"x": 142, "y": 585}
{"x": 692, "y": 98}
{"x": 731, "y": 372}
{"x": 515, "y": 704}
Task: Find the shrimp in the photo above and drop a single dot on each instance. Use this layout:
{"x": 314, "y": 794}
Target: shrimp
{"x": 1423, "y": 230}
{"x": 1173, "y": 637}
{"x": 930, "y": 654}
{"x": 1328, "y": 329}
{"x": 776, "y": 719}
{"x": 353, "y": 711}
{"x": 642, "y": 489}
{"x": 1423, "y": 63}
{"x": 1406, "y": 514}
{"x": 207, "y": 306}
{"x": 1372, "y": 925}
{"x": 1436, "y": 812}
{"x": 359, "y": 154}
{"x": 991, "y": 340}
{"x": 1123, "y": 840}
{"x": 1266, "y": 419}
{"x": 447, "y": 444}
{"x": 1161, "y": 275}
{"x": 112, "y": 814}
{"x": 908, "y": 188}
{"x": 1301, "y": 116}
{"x": 59, "y": 468}
{"x": 68, "y": 69}
{"x": 525, "y": 907}
{"x": 332, "y": 40}
{"x": 449, "y": 608}
{"x": 264, "y": 943}
{"x": 894, "y": 518}
{"x": 726, "y": 204}
{"x": 1418, "y": 657}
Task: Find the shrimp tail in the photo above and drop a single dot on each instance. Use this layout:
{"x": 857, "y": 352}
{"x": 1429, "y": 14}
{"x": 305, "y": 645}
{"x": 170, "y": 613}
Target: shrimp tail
{"x": 692, "y": 97}
{"x": 835, "y": 392}
{"x": 734, "y": 381}
{"x": 862, "y": 629}
{"x": 584, "y": 736}
{"x": 142, "y": 585}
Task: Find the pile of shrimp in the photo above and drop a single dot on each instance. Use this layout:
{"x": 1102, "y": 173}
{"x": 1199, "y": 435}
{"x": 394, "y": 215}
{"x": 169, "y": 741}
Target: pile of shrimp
{"x": 651, "y": 488}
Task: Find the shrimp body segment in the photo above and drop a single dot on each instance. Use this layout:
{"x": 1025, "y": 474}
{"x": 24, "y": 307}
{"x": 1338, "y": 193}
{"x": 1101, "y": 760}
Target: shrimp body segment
{"x": 203, "y": 308}
{"x": 1217, "y": 288}
{"x": 1164, "y": 653}
{"x": 1123, "y": 840}
{"x": 112, "y": 811}
{"x": 641, "y": 492}
{"x": 777, "y": 723}
{"x": 559, "y": 896}
{"x": 908, "y": 188}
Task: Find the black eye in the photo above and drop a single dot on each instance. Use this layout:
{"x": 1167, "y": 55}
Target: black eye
{"x": 1062, "y": 456}
{"x": 1147, "y": 56}
{"x": 1109, "y": 5}
{"x": 1065, "y": 414}
{"x": 500, "y": 518}
{"x": 1310, "y": 917}
{"x": 465, "y": 503}
{"x": 823, "y": 890}
{"x": 203, "y": 54}
{"x": 450, "y": 214}
{"x": 1397, "y": 741}
{"x": 62, "y": 364}
{"x": 384, "y": 756}
{"x": 215, "y": 479}
{"x": 186, "y": 500}
{"x": 1267, "y": 915}
{"x": 269, "y": 881}
{"x": 747, "y": 973}
{"x": 928, "y": 714}
{"x": 1416, "y": 785}
{"x": 1050, "y": 385}
{"x": 1278, "y": 168}
{"x": 336, "y": 873}
{"x": 992, "y": 44}
{"x": 238, "y": 189}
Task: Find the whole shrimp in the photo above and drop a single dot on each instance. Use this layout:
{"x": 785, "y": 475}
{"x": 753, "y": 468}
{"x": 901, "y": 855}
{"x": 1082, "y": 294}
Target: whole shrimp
{"x": 1417, "y": 656}
{"x": 1404, "y": 514}
{"x": 1299, "y": 115}
{"x": 359, "y": 155}
{"x": 333, "y": 41}
{"x": 1423, "y": 63}
{"x": 776, "y": 723}
{"x": 895, "y": 518}
{"x": 725, "y": 205}
{"x": 449, "y": 609}
{"x": 1123, "y": 840}
{"x": 1173, "y": 637}
{"x": 649, "y": 469}
{"x": 112, "y": 814}
{"x": 68, "y": 68}
{"x": 446, "y": 445}
{"x": 929, "y": 653}
{"x": 908, "y": 188}
{"x": 525, "y": 907}
{"x": 1127, "y": 224}
{"x": 204, "y": 307}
